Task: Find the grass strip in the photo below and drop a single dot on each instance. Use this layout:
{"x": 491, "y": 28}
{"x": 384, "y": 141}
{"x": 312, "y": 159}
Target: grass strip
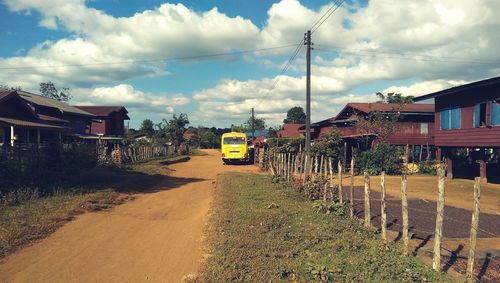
{"x": 265, "y": 232}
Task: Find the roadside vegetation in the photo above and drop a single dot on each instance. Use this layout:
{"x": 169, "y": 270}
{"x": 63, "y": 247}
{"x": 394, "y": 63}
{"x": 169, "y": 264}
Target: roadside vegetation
{"x": 29, "y": 213}
{"x": 263, "y": 231}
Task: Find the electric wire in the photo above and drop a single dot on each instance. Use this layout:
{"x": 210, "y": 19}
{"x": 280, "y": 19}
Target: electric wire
{"x": 167, "y": 59}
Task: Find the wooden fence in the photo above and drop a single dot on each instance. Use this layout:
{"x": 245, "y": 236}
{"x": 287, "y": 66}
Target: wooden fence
{"x": 298, "y": 170}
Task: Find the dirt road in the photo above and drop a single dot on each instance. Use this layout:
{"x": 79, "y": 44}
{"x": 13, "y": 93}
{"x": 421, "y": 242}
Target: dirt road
{"x": 156, "y": 237}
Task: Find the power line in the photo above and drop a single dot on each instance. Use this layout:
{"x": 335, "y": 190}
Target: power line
{"x": 405, "y": 56}
{"x": 327, "y": 14}
{"x": 283, "y": 71}
{"x": 204, "y": 56}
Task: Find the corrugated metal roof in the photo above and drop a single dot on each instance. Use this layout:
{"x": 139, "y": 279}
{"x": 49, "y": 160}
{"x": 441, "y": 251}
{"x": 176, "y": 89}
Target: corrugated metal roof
{"x": 461, "y": 88}
{"x": 412, "y": 107}
{"x": 28, "y": 124}
{"x": 102, "y": 110}
{"x": 48, "y": 102}
{"x": 5, "y": 93}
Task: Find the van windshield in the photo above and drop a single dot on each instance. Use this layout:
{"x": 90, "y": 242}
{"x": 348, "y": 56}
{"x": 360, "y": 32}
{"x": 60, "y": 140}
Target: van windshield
{"x": 234, "y": 140}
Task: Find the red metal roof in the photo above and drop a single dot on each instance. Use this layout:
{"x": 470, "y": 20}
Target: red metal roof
{"x": 384, "y": 107}
{"x": 290, "y": 131}
{"x": 102, "y": 110}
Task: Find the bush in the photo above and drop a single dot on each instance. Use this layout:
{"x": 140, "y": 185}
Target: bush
{"x": 384, "y": 158}
{"x": 427, "y": 167}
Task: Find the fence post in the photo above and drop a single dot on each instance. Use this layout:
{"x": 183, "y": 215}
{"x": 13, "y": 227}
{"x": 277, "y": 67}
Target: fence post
{"x": 351, "y": 190}
{"x": 288, "y": 167}
{"x": 473, "y": 230}
{"x": 367, "y": 199}
{"x": 383, "y": 212}
{"x": 331, "y": 176}
{"x": 404, "y": 211}
{"x": 341, "y": 193}
{"x": 436, "y": 260}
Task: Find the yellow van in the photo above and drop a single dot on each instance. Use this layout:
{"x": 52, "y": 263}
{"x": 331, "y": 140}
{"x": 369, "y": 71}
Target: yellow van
{"x": 234, "y": 147}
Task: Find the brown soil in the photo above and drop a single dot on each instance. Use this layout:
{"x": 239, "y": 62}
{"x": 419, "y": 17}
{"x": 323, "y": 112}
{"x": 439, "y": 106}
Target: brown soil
{"x": 156, "y": 237}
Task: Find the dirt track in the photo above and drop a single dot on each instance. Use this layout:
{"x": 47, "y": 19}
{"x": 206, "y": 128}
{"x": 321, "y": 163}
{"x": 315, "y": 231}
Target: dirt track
{"x": 156, "y": 237}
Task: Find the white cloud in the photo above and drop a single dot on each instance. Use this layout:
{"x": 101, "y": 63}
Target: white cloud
{"x": 425, "y": 87}
{"x": 126, "y": 95}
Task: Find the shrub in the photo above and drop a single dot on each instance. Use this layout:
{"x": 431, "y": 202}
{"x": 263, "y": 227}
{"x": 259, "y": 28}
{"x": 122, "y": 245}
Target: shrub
{"x": 384, "y": 158}
{"x": 427, "y": 167}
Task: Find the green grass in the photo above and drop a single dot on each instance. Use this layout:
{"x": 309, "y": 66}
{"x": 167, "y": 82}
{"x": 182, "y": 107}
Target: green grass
{"x": 265, "y": 232}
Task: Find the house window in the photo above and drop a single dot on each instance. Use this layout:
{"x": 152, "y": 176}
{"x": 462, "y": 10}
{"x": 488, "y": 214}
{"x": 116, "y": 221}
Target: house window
{"x": 495, "y": 113}
{"x": 450, "y": 118}
{"x": 424, "y": 128}
{"x": 480, "y": 115}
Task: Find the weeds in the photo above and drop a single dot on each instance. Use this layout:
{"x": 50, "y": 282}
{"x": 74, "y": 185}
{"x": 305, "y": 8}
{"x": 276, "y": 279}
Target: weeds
{"x": 251, "y": 243}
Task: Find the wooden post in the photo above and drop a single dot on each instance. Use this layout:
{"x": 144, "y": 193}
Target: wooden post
{"x": 436, "y": 260}
{"x": 316, "y": 165}
{"x": 331, "y": 175}
{"x": 289, "y": 167}
{"x": 383, "y": 212}
{"x": 367, "y": 199}
{"x": 341, "y": 193}
{"x": 404, "y": 210}
{"x": 351, "y": 190}
{"x": 321, "y": 164}
{"x": 473, "y": 230}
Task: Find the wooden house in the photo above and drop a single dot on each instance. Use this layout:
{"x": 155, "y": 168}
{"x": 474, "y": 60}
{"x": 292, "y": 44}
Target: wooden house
{"x": 29, "y": 118}
{"x": 414, "y": 127}
{"x": 467, "y": 130}
{"x": 290, "y": 131}
{"x": 112, "y": 120}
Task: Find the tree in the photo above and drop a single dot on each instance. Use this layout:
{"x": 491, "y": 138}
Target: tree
{"x": 392, "y": 97}
{"x": 295, "y": 115}
{"x": 330, "y": 145}
{"x": 273, "y": 132}
{"x": 174, "y": 129}
{"x": 49, "y": 90}
{"x": 259, "y": 124}
{"x": 6, "y": 87}
{"x": 147, "y": 127}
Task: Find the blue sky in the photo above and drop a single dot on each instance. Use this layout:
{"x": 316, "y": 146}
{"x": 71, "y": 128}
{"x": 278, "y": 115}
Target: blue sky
{"x": 103, "y": 50}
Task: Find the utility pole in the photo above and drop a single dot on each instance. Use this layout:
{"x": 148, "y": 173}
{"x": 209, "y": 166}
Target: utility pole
{"x": 253, "y": 125}
{"x": 308, "y": 43}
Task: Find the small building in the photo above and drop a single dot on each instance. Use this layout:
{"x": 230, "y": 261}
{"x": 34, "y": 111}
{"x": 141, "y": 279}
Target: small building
{"x": 111, "y": 120}
{"x": 29, "y": 118}
{"x": 290, "y": 131}
{"x": 467, "y": 130}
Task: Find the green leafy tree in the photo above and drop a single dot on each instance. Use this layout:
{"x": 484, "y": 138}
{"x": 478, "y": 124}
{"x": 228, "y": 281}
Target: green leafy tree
{"x": 174, "y": 129}
{"x": 147, "y": 127}
{"x": 330, "y": 145}
{"x": 209, "y": 140}
{"x": 396, "y": 98}
{"x": 295, "y": 115}
{"x": 49, "y": 90}
{"x": 259, "y": 124}
{"x": 273, "y": 132}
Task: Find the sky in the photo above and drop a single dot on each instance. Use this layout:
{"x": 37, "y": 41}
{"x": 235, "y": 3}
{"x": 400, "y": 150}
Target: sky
{"x": 215, "y": 60}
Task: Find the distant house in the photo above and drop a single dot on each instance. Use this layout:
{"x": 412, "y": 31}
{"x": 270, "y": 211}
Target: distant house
{"x": 290, "y": 131}
{"x": 29, "y": 118}
{"x": 112, "y": 120}
{"x": 467, "y": 130}
{"x": 414, "y": 128}
{"x": 187, "y": 136}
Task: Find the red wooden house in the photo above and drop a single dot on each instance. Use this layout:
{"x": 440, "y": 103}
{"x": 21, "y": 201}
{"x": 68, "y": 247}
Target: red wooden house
{"x": 112, "y": 120}
{"x": 415, "y": 126}
{"x": 290, "y": 131}
{"x": 467, "y": 130}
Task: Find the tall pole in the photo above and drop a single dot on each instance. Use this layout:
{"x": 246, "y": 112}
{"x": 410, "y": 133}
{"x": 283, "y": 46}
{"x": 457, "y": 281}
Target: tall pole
{"x": 307, "y": 42}
{"x": 253, "y": 125}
